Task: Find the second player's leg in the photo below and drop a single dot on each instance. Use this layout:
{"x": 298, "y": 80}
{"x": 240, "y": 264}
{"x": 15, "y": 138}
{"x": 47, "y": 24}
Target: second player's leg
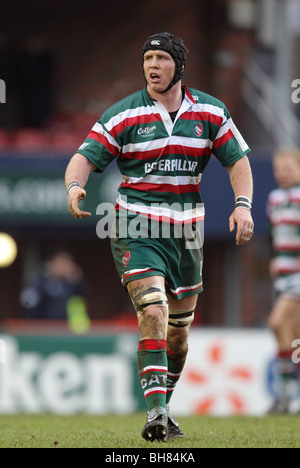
{"x": 284, "y": 322}
{"x": 181, "y": 315}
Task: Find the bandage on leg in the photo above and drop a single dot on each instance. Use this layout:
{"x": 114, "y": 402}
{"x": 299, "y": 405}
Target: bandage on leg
{"x": 182, "y": 318}
{"x": 152, "y": 296}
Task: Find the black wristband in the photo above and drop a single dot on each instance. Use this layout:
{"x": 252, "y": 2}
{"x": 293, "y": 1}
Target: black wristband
{"x": 243, "y": 202}
{"x": 243, "y": 205}
{"x": 72, "y": 185}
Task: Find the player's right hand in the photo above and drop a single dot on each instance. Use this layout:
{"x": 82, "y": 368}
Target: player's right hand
{"x": 75, "y": 196}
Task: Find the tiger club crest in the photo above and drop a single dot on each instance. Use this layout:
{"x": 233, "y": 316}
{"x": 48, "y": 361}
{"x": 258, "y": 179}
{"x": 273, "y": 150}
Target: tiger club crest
{"x": 198, "y": 129}
{"x": 126, "y": 258}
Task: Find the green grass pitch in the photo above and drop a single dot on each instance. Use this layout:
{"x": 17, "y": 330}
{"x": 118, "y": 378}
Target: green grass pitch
{"x": 112, "y": 431}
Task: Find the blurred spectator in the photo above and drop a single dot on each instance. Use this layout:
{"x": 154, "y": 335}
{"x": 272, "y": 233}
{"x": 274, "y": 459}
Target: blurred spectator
{"x": 58, "y": 293}
{"x": 283, "y": 208}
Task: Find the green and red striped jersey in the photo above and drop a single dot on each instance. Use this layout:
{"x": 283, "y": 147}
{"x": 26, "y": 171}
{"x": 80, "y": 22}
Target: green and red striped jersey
{"x": 162, "y": 161}
{"x": 283, "y": 211}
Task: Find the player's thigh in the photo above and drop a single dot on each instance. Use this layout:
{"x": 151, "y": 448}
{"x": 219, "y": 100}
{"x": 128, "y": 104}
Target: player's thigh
{"x": 138, "y": 286}
{"x": 285, "y": 313}
{"x": 186, "y": 303}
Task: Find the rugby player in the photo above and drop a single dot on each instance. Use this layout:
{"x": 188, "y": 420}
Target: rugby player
{"x": 163, "y": 137}
{"x": 283, "y": 210}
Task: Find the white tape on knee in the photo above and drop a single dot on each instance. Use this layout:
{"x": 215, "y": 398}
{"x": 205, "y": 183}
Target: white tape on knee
{"x": 152, "y": 296}
{"x": 183, "y": 318}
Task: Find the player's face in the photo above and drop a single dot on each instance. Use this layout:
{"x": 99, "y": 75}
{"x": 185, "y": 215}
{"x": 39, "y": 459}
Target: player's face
{"x": 286, "y": 171}
{"x": 159, "y": 69}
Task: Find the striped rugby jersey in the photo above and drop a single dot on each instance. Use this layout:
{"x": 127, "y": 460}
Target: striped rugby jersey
{"x": 162, "y": 161}
{"x": 283, "y": 211}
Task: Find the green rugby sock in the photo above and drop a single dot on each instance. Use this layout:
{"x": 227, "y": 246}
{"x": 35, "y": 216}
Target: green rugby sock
{"x": 175, "y": 368}
{"x": 153, "y": 368}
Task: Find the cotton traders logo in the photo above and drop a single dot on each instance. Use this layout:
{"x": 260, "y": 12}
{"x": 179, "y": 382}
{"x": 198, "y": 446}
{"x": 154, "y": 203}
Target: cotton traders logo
{"x": 198, "y": 129}
{"x": 147, "y": 131}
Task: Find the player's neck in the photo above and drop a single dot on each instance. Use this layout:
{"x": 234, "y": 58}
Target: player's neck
{"x": 172, "y": 99}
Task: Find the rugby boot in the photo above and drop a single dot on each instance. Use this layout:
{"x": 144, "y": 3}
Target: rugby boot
{"x": 174, "y": 431}
{"x": 156, "y": 427}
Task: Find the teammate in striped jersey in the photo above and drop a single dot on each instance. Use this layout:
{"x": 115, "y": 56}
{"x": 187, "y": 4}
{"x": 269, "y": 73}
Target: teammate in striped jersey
{"x": 163, "y": 137}
{"x": 283, "y": 210}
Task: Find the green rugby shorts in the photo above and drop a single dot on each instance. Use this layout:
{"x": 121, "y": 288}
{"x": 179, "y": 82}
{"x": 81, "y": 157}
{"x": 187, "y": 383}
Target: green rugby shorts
{"x": 142, "y": 248}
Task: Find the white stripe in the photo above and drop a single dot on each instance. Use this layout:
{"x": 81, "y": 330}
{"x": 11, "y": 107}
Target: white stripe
{"x": 190, "y": 288}
{"x": 173, "y": 375}
{"x": 287, "y": 242}
{"x": 223, "y": 130}
{"x": 163, "y": 179}
{"x": 278, "y": 196}
{"x": 132, "y": 272}
{"x": 287, "y": 215}
{"x": 291, "y": 281}
{"x": 149, "y": 368}
{"x": 161, "y": 143}
{"x": 229, "y": 125}
{"x": 159, "y": 211}
{"x": 285, "y": 263}
{"x": 215, "y": 110}
{"x": 129, "y": 113}
{"x": 98, "y": 128}
{"x": 165, "y": 116}
{"x": 155, "y": 389}
{"x": 237, "y": 135}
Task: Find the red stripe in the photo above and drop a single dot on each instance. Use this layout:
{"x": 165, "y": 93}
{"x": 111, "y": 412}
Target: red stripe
{"x": 203, "y": 116}
{"x": 104, "y": 141}
{"x": 284, "y": 271}
{"x": 287, "y": 248}
{"x": 285, "y": 353}
{"x": 132, "y": 121}
{"x": 137, "y": 273}
{"x": 167, "y": 151}
{"x": 286, "y": 221}
{"x": 144, "y": 187}
{"x": 188, "y": 94}
{"x": 221, "y": 141}
{"x": 153, "y": 369}
{"x": 156, "y": 391}
{"x": 187, "y": 289}
{"x": 150, "y": 344}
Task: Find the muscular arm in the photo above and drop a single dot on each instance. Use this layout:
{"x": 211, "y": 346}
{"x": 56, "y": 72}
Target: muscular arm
{"x": 242, "y": 184}
{"x": 79, "y": 170}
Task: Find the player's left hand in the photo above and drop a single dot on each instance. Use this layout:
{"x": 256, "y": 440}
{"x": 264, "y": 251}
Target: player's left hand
{"x": 242, "y": 219}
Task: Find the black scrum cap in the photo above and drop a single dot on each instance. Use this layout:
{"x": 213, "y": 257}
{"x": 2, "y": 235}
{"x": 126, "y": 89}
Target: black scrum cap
{"x": 172, "y": 45}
